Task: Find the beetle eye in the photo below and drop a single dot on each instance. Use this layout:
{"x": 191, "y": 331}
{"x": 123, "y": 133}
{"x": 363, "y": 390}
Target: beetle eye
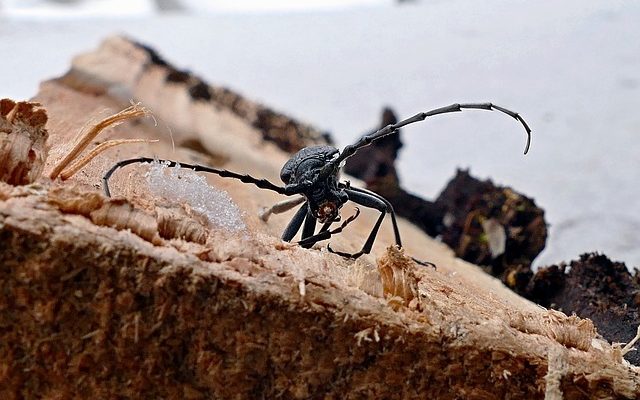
{"x": 285, "y": 176}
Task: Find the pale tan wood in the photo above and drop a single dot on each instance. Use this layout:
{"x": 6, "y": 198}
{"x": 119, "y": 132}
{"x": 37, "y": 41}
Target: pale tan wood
{"x": 150, "y": 300}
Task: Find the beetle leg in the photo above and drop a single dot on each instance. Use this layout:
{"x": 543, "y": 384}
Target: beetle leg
{"x": 280, "y": 207}
{"x": 295, "y": 224}
{"x": 309, "y": 228}
{"x": 394, "y": 222}
{"x": 370, "y": 199}
{"x": 325, "y": 233}
{"x": 366, "y": 200}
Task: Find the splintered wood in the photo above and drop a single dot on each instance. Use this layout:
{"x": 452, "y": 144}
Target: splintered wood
{"x": 139, "y": 297}
{"x": 399, "y": 282}
{"x": 569, "y": 331}
{"x": 22, "y": 141}
{"x": 85, "y": 138}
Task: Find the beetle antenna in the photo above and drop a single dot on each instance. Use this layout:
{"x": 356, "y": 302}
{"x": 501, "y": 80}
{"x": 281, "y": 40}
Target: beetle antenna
{"x": 261, "y": 183}
{"x": 366, "y": 140}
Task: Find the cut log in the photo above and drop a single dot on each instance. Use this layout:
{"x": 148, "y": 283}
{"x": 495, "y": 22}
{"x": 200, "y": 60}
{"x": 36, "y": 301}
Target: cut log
{"x": 149, "y": 295}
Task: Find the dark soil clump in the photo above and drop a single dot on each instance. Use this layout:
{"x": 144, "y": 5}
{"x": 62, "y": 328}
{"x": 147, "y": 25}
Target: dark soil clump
{"x": 597, "y": 288}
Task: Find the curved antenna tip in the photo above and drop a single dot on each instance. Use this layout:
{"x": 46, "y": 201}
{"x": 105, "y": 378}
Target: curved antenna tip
{"x": 528, "y": 145}
{"x": 527, "y": 129}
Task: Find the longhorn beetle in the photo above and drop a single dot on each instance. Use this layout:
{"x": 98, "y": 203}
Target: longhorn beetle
{"x": 313, "y": 172}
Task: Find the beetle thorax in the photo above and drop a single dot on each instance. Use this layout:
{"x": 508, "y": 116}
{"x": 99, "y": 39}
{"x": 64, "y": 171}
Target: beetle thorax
{"x": 325, "y": 198}
{"x": 306, "y": 163}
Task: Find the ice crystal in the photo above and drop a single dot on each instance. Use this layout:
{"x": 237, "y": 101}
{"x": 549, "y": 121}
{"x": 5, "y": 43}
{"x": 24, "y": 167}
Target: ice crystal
{"x": 182, "y": 185}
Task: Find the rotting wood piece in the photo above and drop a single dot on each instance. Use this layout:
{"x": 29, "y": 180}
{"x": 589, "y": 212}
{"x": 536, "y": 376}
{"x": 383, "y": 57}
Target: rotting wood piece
{"x": 493, "y": 226}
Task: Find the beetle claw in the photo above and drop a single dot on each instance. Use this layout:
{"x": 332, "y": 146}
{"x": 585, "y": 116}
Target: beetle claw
{"x": 424, "y": 263}
{"x": 352, "y": 256}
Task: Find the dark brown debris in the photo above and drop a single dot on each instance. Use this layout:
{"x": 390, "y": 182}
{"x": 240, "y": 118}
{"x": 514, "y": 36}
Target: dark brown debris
{"x": 200, "y": 91}
{"x": 177, "y": 76}
{"x": 593, "y": 287}
{"x": 154, "y": 56}
{"x": 493, "y": 226}
{"x": 376, "y": 162}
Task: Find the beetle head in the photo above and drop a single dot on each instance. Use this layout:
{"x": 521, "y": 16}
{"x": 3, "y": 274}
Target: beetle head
{"x": 326, "y": 204}
{"x": 327, "y": 211}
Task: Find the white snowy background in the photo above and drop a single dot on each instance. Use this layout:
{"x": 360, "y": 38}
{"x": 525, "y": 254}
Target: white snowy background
{"x": 571, "y": 68}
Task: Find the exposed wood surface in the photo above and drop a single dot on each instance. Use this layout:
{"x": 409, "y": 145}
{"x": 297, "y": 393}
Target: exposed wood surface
{"x": 109, "y": 297}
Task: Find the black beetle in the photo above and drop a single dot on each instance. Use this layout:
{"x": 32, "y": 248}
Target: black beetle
{"x": 313, "y": 173}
